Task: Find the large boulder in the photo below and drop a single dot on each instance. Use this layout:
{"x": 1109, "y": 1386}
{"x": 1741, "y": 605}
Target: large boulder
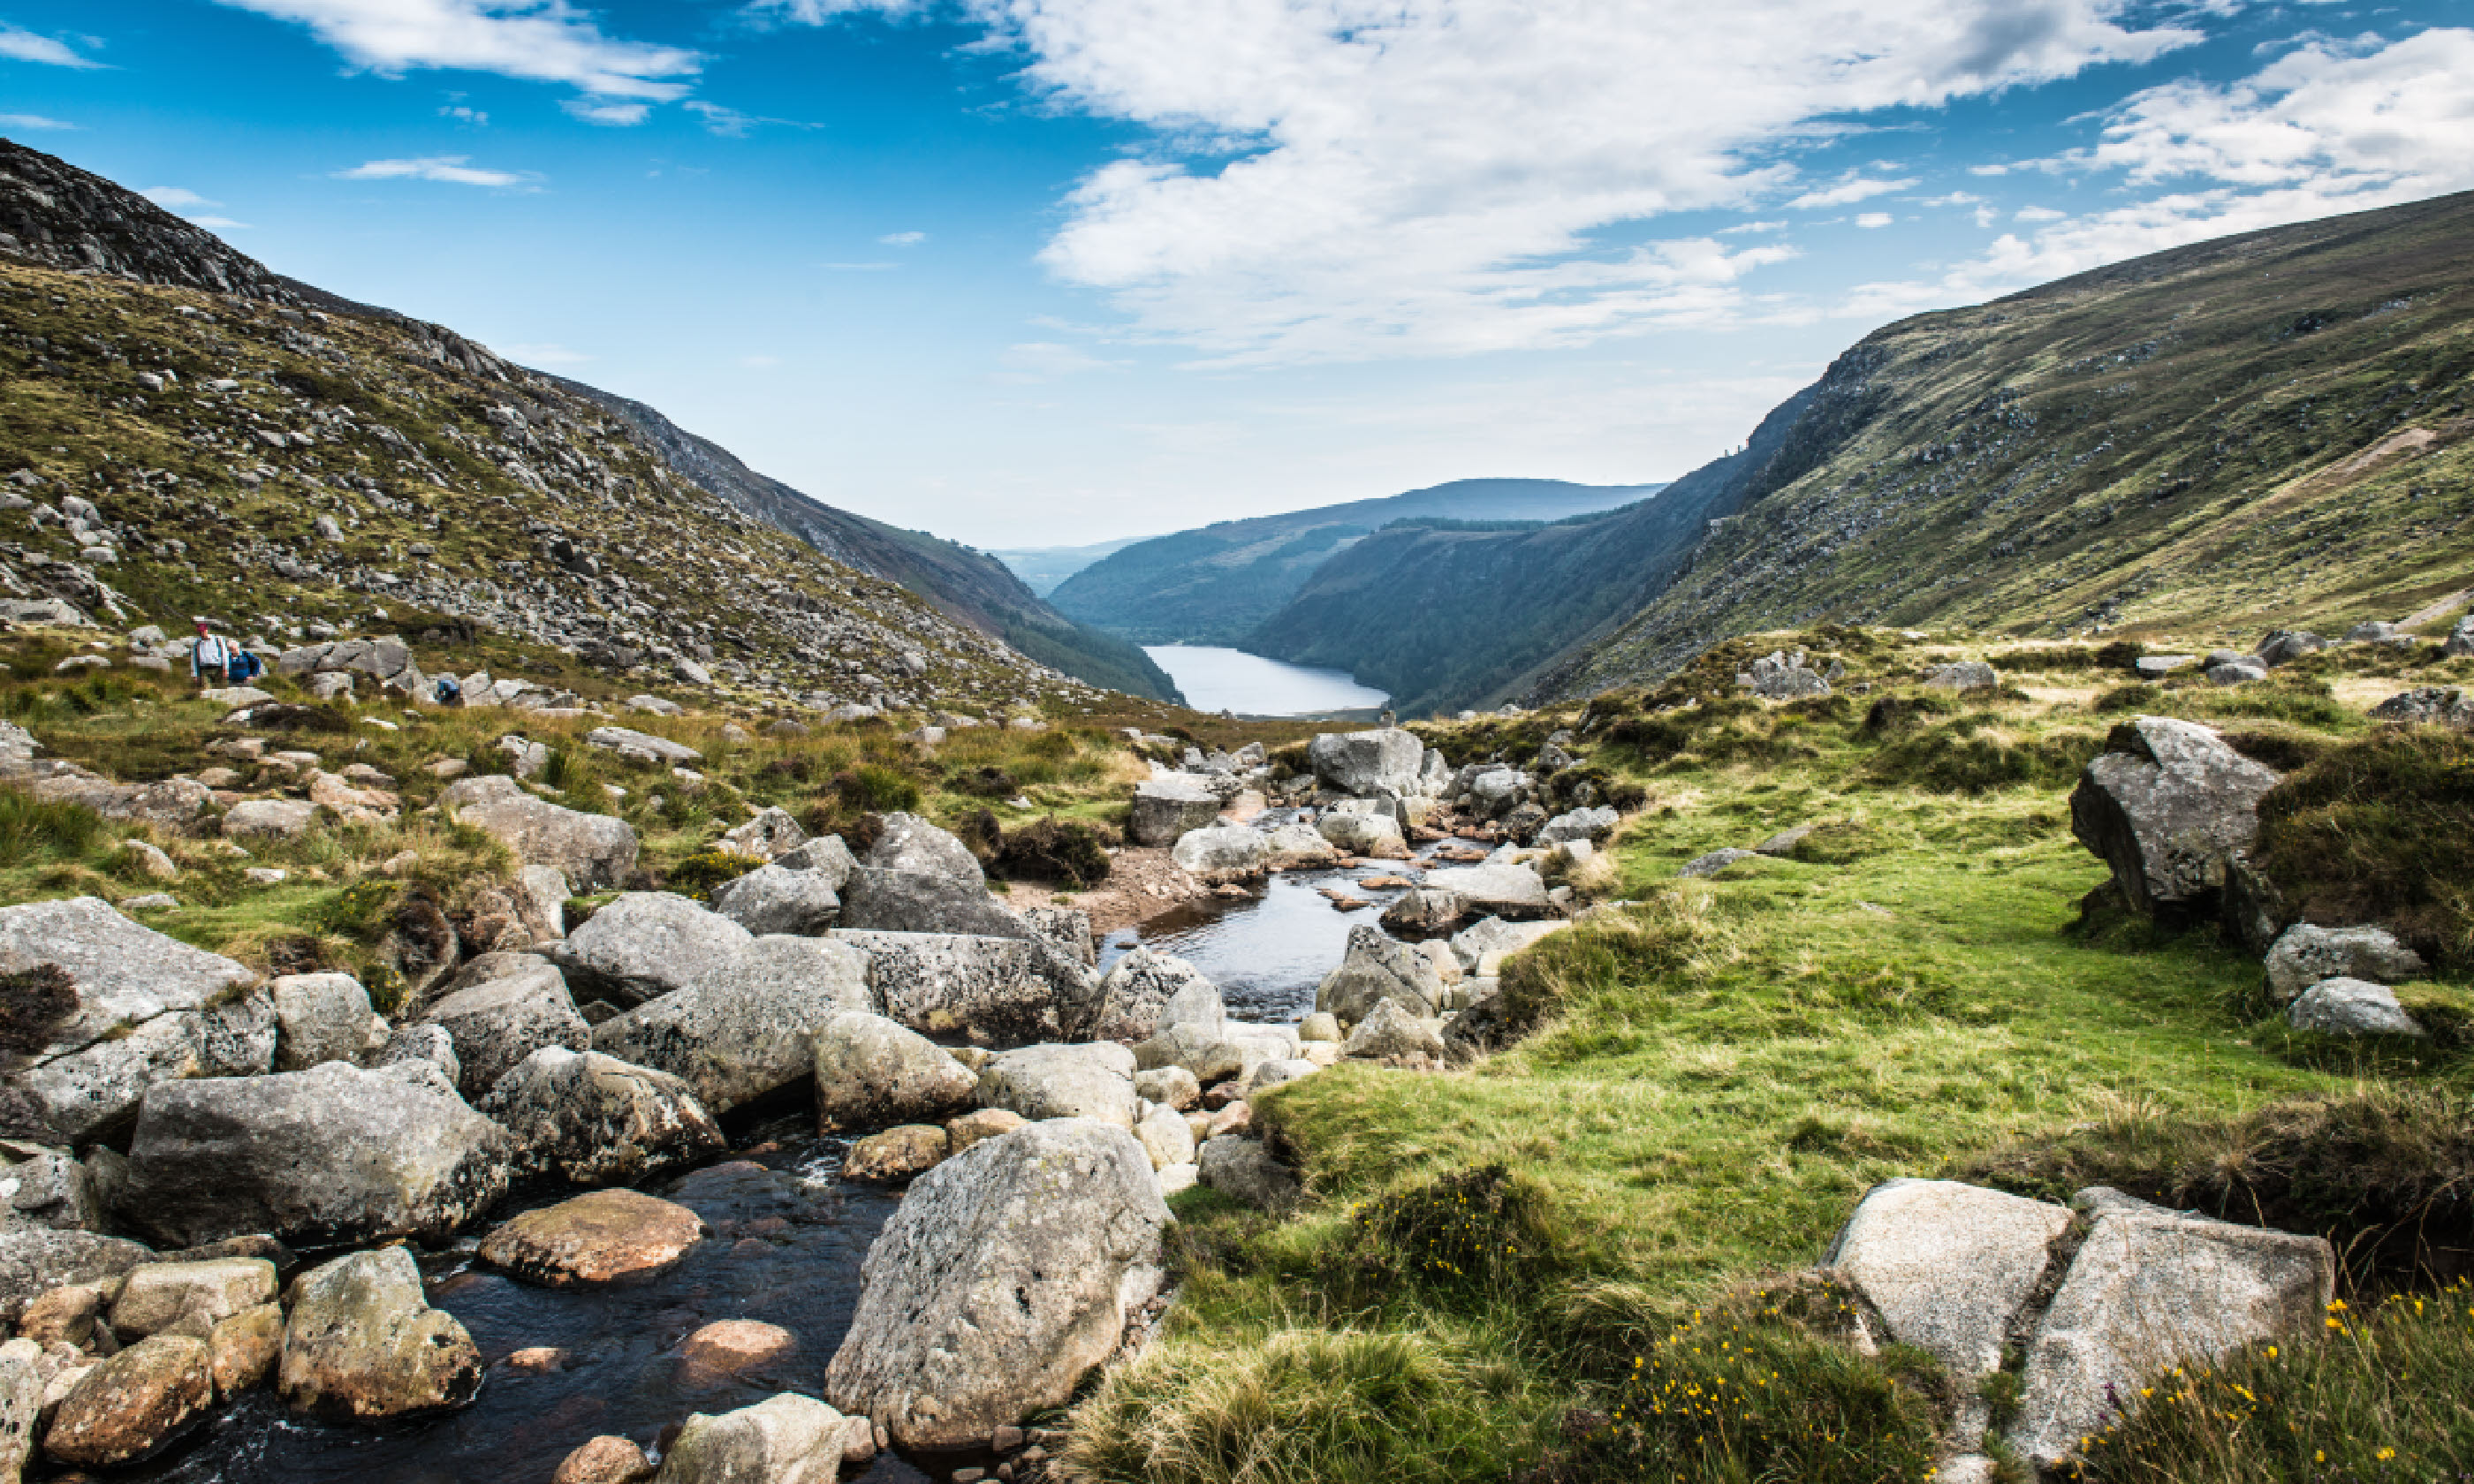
{"x": 1962, "y": 675}
{"x": 1138, "y": 988}
{"x": 1378, "y": 969}
{"x": 2169, "y": 806}
{"x": 748, "y": 1027}
{"x": 1359, "y": 763}
{"x": 335, "y": 1154}
{"x": 594, "y": 851}
{"x": 1949, "y": 1267}
{"x": 778, "y": 900}
{"x": 362, "y": 1343}
{"x": 138, "y": 1009}
{"x": 190, "y": 1298}
{"x": 2460, "y": 639}
{"x": 1296, "y": 845}
{"x": 872, "y": 1072}
{"x": 1091, "y": 1081}
{"x": 23, "y": 1373}
{"x": 1363, "y": 833}
{"x": 1504, "y": 891}
{"x": 1223, "y": 853}
{"x": 646, "y": 945}
{"x": 609, "y": 1236}
{"x": 1495, "y": 939}
{"x": 35, "y": 1260}
{"x": 1166, "y": 808}
{"x": 597, "y": 1120}
{"x": 2351, "y": 1007}
{"x": 318, "y": 1018}
{"x": 1593, "y": 825}
{"x": 1004, "y": 990}
{"x": 826, "y": 855}
{"x": 499, "y": 1022}
{"x": 909, "y": 843}
{"x": 784, "y": 1438}
{"x": 134, "y": 1404}
{"x": 2150, "y": 1289}
{"x": 2304, "y": 954}
{"x": 1008, "y": 1274}
{"x": 913, "y": 901}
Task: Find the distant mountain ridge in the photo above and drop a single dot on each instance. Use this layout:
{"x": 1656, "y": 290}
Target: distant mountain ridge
{"x": 1043, "y": 568}
{"x": 1215, "y": 585}
{"x": 2263, "y": 430}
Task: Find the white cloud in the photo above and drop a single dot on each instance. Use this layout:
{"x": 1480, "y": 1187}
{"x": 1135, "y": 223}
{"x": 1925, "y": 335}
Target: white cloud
{"x": 1356, "y": 178}
{"x": 216, "y": 223}
{"x": 1741, "y": 228}
{"x": 449, "y": 168}
{"x": 1847, "y": 192}
{"x": 539, "y": 40}
{"x": 31, "y": 121}
{"x": 1953, "y": 198}
{"x": 547, "y": 354}
{"x": 1869, "y": 220}
{"x": 464, "y": 115}
{"x": 18, "y": 44}
{"x": 2319, "y": 133}
{"x": 2039, "y": 214}
{"x": 903, "y": 239}
{"x": 172, "y": 198}
{"x": 610, "y": 112}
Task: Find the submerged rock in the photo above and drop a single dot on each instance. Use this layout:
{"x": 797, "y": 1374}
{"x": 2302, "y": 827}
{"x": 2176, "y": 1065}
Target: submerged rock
{"x": 608, "y": 1236}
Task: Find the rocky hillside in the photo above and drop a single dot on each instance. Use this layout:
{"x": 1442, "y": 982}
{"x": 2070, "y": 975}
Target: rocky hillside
{"x": 1213, "y": 586}
{"x": 189, "y": 433}
{"x": 1510, "y": 595}
{"x": 2259, "y": 431}
{"x": 968, "y": 585}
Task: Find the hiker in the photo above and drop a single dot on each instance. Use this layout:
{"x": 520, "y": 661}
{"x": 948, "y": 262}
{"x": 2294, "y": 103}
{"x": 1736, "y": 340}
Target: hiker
{"x": 448, "y": 691}
{"x": 246, "y": 666}
{"x": 210, "y": 658}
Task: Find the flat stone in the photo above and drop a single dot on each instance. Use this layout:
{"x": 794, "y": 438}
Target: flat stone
{"x": 605, "y": 1238}
{"x": 190, "y": 1298}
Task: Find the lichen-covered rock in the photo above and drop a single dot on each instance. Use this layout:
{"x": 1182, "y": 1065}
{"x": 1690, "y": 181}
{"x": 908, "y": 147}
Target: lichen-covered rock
{"x": 1374, "y": 970}
{"x": 1360, "y": 764}
{"x": 872, "y": 1071}
{"x": 909, "y": 843}
{"x": 1962, "y": 675}
{"x": 1136, "y": 993}
{"x": 646, "y": 945}
{"x": 1008, "y": 1273}
{"x": 242, "y": 1350}
{"x": 36, "y": 1261}
{"x": 2303, "y": 955}
{"x": 915, "y": 901}
{"x": 499, "y": 1022}
{"x": 607, "y": 1236}
{"x": 1223, "y": 853}
{"x": 1392, "y": 1032}
{"x": 1094, "y": 1081}
{"x": 594, "y": 851}
{"x": 597, "y": 1120}
{"x": 748, "y": 1027}
{"x": 1422, "y": 910}
{"x": 2429, "y": 706}
{"x": 1242, "y": 1169}
{"x": 133, "y": 1404}
{"x": 1948, "y": 1266}
{"x": 1005, "y": 991}
{"x": 145, "y": 1009}
{"x": 2168, "y": 806}
{"x": 826, "y": 855}
{"x": 1166, "y": 1136}
{"x": 335, "y": 1154}
{"x": 1495, "y": 939}
{"x": 769, "y": 836}
{"x": 318, "y": 1018}
{"x": 785, "y": 1439}
{"x": 1370, "y": 834}
{"x": 190, "y": 1298}
{"x": 1165, "y": 808}
{"x": 1502, "y": 891}
{"x": 362, "y": 1343}
{"x": 2351, "y": 1007}
{"x": 899, "y": 1153}
{"x": 778, "y": 900}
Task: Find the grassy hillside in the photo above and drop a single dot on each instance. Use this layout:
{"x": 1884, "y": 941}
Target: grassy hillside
{"x": 1445, "y": 616}
{"x": 1502, "y": 1268}
{"x": 2259, "y": 431}
{"x": 968, "y": 585}
{"x": 1213, "y": 586}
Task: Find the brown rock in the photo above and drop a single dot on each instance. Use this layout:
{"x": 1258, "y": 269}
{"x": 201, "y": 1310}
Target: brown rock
{"x": 605, "y": 1460}
{"x": 896, "y": 1155}
{"x": 988, "y": 1123}
{"x": 605, "y": 1238}
{"x": 718, "y": 1352}
{"x": 363, "y": 1342}
{"x": 133, "y": 1403}
{"x": 538, "y": 1360}
{"x": 67, "y": 1315}
{"x": 190, "y": 1298}
{"x": 1236, "y": 1117}
{"x": 242, "y": 1350}
{"x": 859, "y": 1442}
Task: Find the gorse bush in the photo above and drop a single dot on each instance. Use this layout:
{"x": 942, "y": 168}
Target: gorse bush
{"x": 1481, "y": 1231}
{"x": 2378, "y": 1394}
{"x": 1762, "y": 1387}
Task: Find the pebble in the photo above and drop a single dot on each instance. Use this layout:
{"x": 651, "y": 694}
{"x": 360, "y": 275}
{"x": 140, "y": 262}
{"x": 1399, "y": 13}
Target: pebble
{"x": 538, "y": 1360}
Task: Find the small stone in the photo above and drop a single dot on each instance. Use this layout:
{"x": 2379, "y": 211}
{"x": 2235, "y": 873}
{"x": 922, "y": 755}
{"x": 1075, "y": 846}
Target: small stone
{"x": 896, "y": 1155}
{"x": 538, "y": 1360}
{"x": 604, "y": 1460}
{"x": 724, "y": 1351}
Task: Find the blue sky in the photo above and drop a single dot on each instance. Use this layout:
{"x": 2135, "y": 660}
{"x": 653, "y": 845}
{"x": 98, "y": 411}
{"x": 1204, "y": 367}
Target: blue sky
{"x": 1041, "y": 271}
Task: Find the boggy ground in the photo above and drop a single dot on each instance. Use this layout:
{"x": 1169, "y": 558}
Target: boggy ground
{"x": 1576, "y": 1258}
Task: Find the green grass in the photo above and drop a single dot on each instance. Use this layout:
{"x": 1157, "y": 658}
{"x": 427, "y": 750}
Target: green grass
{"x": 1717, "y": 1075}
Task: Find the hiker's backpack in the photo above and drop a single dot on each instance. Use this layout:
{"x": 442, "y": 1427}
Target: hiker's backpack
{"x": 448, "y": 691}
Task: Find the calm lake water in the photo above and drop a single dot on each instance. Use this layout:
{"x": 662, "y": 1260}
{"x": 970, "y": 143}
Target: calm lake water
{"x": 1231, "y": 679}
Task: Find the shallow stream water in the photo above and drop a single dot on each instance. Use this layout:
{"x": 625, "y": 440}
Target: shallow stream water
{"x": 787, "y": 1236}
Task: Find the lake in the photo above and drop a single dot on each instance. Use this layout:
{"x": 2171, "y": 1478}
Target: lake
{"x": 1230, "y": 679}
